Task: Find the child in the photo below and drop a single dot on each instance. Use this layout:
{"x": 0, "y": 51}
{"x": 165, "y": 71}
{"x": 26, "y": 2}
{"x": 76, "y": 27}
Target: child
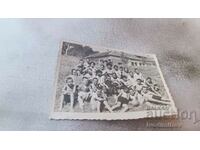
{"x": 148, "y": 97}
{"x": 131, "y": 78}
{"x": 89, "y": 74}
{"x": 156, "y": 90}
{"x": 138, "y": 75}
{"x": 109, "y": 70}
{"x": 121, "y": 71}
{"x": 149, "y": 83}
{"x": 102, "y": 68}
{"x": 87, "y": 63}
{"x": 101, "y": 78}
{"x": 125, "y": 82}
{"x": 93, "y": 68}
{"x": 75, "y": 77}
{"x": 93, "y": 89}
{"x": 107, "y": 85}
{"x": 94, "y": 85}
{"x": 115, "y": 85}
{"x": 133, "y": 97}
{"x": 139, "y": 85}
{"x": 73, "y": 74}
{"x": 115, "y": 79}
{"x": 101, "y": 62}
{"x": 123, "y": 100}
{"x": 126, "y": 71}
{"x": 80, "y": 66}
{"x": 83, "y": 92}
{"x": 68, "y": 93}
{"x": 101, "y": 100}
{"x": 116, "y": 70}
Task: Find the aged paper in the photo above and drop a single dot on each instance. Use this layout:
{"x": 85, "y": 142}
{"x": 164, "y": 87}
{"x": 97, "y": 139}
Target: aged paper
{"x": 107, "y": 84}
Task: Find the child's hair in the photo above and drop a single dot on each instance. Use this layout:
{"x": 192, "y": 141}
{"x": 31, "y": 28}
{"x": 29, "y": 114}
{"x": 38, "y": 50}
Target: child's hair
{"x": 130, "y": 89}
{"x": 69, "y": 78}
{"x": 144, "y": 87}
{"x": 73, "y": 70}
{"x": 109, "y": 64}
{"x": 155, "y": 85}
{"x": 94, "y": 78}
{"x": 92, "y": 63}
{"x": 126, "y": 69}
{"x": 124, "y": 87}
{"x": 121, "y": 67}
{"x": 84, "y": 77}
{"x": 102, "y": 65}
{"x": 115, "y": 66}
{"x": 98, "y": 71}
{"x": 124, "y": 77}
{"x": 148, "y": 78}
{"x": 114, "y": 73}
{"x": 136, "y": 69}
{"x": 81, "y": 60}
{"x": 139, "y": 80}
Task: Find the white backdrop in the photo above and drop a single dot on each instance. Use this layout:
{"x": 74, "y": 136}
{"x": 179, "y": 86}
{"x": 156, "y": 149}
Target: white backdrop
{"x": 28, "y": 55}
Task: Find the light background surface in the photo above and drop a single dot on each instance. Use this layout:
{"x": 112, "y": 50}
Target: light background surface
{"x": 28, "y": 56}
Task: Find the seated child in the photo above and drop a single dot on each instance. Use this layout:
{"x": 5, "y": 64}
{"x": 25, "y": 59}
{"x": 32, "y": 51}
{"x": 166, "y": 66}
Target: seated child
{"x": 83, "y": 92}
{"x": 125, "y": 82}
{"x": 115, "y": 84}
{"x": 123, "y": 100}
{"x": 126, "y": 71}
{"x": 139, "y": 85}
{"x": 138, "y": 75}
{"x": 117, "y": 71}
{"x": 156, "y": 90}
{"x": 148, "y": 97}
{"x": 131, "y": 78}
{"x": 109, "y": 69}
{"x": 101, "y": 78}
{"x": 121, "y": 71}
{"x": 133, "y": 97}
{"x": 101, "y": 100}
{"x": 149, "y": 83}
{"x": 81, "y": 66}
{"x": 93, "y": 68}
{"x": 68, "y": 93}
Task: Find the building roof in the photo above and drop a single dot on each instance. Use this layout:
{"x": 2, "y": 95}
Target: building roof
{"x": 120, "y": 55}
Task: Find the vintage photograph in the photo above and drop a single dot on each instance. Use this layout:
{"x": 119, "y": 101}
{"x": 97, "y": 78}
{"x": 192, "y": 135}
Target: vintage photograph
{"x": 103, "y": 83}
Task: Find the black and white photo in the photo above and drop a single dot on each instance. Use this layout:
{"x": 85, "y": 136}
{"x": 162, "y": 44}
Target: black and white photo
{"x": 102, "y": 83}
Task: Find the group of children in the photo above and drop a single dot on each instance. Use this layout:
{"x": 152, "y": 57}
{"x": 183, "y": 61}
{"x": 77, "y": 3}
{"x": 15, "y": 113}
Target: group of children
{"x": 97, "y": 82}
